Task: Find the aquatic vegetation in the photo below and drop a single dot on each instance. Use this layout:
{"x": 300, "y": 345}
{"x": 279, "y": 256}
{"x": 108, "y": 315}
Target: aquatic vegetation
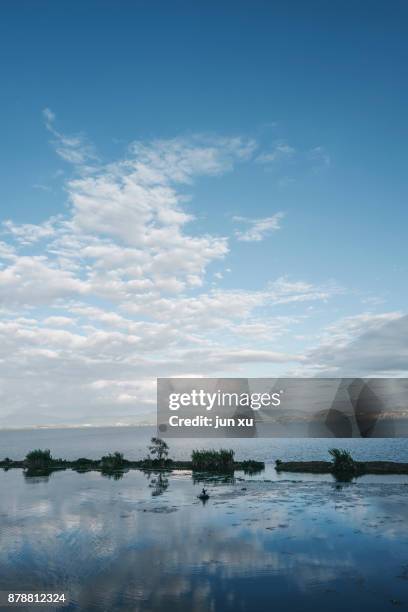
{"x": 40, "y": 463}
{"x": 213, "y": 460}
{"x": 82, "y": 464}
{"x": 39, "y": 459}
{"x": 252, "y": 467}
{"x": 84, "y": 461}
{"x": 343, "y": 463}
{"x": 342, "y": 466}
{"x": 41, "y": 474}
{"x": 357, "y": 468}
{"x": 113, "y": 461}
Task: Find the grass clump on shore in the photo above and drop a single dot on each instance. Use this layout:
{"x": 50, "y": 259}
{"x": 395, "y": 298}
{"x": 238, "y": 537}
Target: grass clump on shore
{"x": 343, "y": 463}
{"x": 112, "y": 462}
{"x": 252, "y": 467}
{"x": 39, "y": 459}
{"x": 213, "y": 461}
{"x": 83, "y": 461}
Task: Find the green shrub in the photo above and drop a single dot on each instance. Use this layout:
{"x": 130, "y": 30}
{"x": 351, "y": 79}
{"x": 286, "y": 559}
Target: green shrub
{"x": 113, "y": 461}
{"x": 84, "y": 461}
{"x": 343, "y": 462}
{"x": 252, "y": 467}
{"x": 39, "y": 458}
{"x": 213, "y": 461}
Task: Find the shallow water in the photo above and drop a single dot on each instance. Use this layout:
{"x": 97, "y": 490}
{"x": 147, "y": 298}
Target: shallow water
{"x": 145, "y": 542}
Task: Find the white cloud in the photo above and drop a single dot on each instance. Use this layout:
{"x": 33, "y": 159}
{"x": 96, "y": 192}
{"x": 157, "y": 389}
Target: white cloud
{"x": 136, "y": 200}
{"x": 73, "y": 149}
{"x": 218, "y": 307}
{"x": 258, "y": 228}
{"x": 284, "y": 155}
{"x": 180, "y": 159}
{"x": 58, "y": 321}
{"x": 281, "y": 151}
{"x": 99, "y": 302}
{"x": 286, "y": 291}
{"x": 35, "y": 280}
{"x": 29, "y": 233}
{"x": 241, "y": 356}
{"x": 7, "y": 252}
{"x": 363, "y": 345}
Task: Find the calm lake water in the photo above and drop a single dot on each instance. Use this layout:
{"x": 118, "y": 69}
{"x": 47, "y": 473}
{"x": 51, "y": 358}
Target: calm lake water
{"x": 145, "y": 542}
{"x": 133, "y": 442}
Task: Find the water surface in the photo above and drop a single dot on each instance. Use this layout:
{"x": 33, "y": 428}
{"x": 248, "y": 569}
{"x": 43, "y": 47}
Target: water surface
{"x": 145, "y": 542}
{"x": 133, "y": 442}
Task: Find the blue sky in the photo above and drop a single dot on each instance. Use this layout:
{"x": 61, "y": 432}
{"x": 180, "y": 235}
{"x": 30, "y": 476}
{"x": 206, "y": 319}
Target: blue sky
{"x": 270, "y": 158}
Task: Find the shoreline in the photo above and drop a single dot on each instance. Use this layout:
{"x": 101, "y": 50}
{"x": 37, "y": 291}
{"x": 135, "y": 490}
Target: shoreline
{"x": 326, "y": 467}
{"x": 87, "y": 465}
{"x": 311, "y": 467}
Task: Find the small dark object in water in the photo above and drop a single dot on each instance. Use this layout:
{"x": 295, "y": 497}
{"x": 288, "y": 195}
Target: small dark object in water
{"x": 204, "y": 495}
